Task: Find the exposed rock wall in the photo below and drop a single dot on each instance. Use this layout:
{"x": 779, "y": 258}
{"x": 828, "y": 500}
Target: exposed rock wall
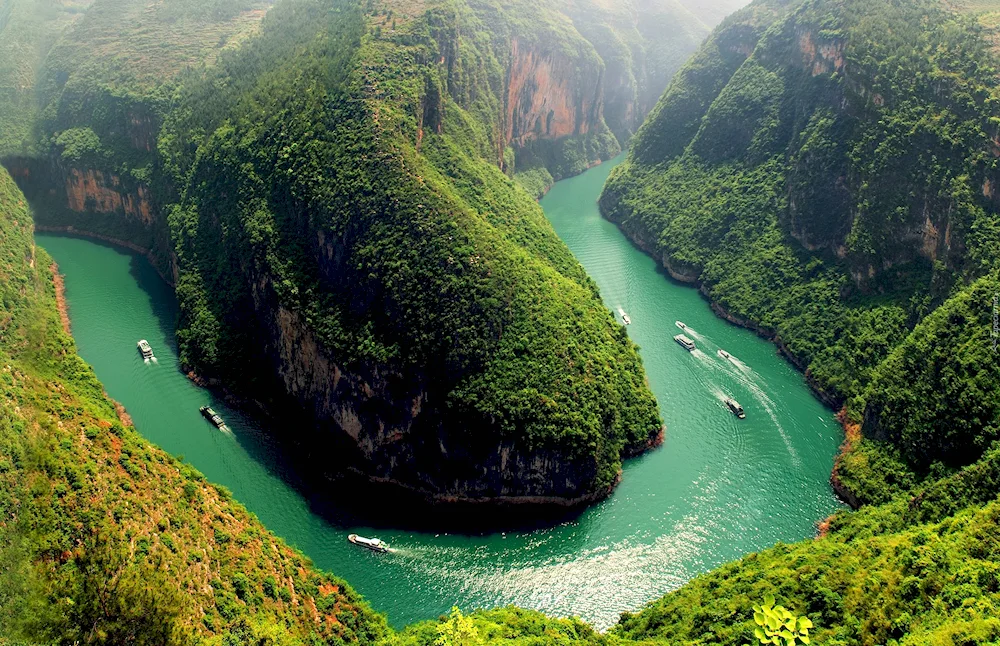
{"x": 388, "y": 423}
{"x": 549, "y": 96}
{"x": 98, "y": 203}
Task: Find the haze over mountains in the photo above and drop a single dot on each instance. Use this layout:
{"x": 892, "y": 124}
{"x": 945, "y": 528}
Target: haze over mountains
{"x": 825, "y": 172}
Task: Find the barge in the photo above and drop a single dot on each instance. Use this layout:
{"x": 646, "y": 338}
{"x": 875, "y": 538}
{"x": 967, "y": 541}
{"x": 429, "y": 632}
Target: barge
{"x": 214, "y": 418}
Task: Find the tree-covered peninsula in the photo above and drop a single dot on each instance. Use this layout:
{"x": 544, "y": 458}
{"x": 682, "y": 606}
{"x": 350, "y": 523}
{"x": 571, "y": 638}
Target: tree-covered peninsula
{"x": 314, "y": 180}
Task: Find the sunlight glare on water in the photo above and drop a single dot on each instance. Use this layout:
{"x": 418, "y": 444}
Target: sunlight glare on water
{"x": 717, "y": 489}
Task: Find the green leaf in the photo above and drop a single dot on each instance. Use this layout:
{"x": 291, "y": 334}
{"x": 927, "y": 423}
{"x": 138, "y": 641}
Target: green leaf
{"x": 758, "y": 618}
{"x": 804, "y": 623}
{"x": 804, "y": 639}
{"x": 768, "y": 600}
{"x": 759, "y": 634}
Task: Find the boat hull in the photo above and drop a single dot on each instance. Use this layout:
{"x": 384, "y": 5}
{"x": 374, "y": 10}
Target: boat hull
{"x": 685, "y": 343}
{"x": 380, "y": 548}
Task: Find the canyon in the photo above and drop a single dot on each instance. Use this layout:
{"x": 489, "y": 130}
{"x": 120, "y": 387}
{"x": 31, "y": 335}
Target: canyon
{"x": 114, "y": 171}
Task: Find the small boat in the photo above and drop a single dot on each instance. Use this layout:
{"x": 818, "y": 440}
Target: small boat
{"x": 213, "y": 417}
{"x": 735, "y": 408}
{"x": 685, "y": 342}
{"x": 625, "y": 316}
{"x": 680, "y": 325}
{"x": 725, "y": 355}
{"x": 144, "y": 349}
{"x": 373, "y": 544}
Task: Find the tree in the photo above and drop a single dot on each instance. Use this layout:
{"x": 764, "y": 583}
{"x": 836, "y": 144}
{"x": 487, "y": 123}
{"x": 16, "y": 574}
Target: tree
{"x": 777, "y": 625}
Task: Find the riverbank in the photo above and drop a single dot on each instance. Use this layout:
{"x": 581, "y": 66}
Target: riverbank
{"x": 125, "y": 244}
{"x": 60, "y": 285}
{"x": 691, "y": 278}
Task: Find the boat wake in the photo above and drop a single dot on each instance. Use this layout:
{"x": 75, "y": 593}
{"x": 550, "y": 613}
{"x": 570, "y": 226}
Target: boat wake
{"x": 749, "y": 379}
{"x": 154, "y": 360}
{"x": 762, "y": 398}
{"x": 744, "y": 368}
{"x": 690, "y": 331}
{"x": 719, "y": 393}
{"x": 146, "y": 361}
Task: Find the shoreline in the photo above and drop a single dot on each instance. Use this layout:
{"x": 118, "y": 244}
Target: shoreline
{"x": 61, "y": 304}
{"x": 851, "y": 435}
{"x": 118, "y": 242}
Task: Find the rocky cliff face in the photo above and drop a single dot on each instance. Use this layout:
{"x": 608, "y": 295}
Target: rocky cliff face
{"x": 441, "y": 421}
{"x": 391, "y": 420}
{"x": 98, "y": 203}
{"x": 550, "y": 96}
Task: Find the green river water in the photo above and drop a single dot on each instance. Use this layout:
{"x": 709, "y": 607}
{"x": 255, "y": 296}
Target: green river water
{"x": 717, "y": 489}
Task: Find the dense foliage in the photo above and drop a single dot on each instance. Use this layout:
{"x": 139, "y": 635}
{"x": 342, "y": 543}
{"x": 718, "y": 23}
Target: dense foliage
{"x": 363, "y": 198}
{"x": 825, "y": 169}
{"x": 105, "y": 539}
{"x": 830, "y": 183}
{"x": 27, "y": 31}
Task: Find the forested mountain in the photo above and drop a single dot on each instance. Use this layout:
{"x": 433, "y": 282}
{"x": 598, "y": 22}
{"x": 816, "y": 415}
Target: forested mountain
{"x": 107, "y": 539}
{"x": 826, "y": 172}
{"x": 137, "y": 116}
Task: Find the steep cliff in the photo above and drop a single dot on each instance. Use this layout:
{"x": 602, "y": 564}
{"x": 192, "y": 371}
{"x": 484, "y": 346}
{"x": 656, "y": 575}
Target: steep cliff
{"x": 481, "y": 90}
{"x": 582, "y": 75}
{"x": 825, "y": 172}
{"x": 408, "y": 298}
{"x": 108, "y": 540}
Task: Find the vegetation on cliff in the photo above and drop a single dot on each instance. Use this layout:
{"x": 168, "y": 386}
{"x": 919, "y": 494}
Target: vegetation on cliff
{"x": 364, "y": 199}
{"x": 105, "y": 539}
{"x": 827, "y": 178}
{"x": 831, "y": 184}
{"x": 536, "y": 90}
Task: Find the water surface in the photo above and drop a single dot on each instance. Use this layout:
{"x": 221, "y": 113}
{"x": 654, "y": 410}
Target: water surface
{"x": 717, "y": 489}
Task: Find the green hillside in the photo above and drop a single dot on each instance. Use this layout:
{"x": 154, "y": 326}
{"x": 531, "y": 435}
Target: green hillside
{"x": 359, "y": 171}
{"x": 825, "y": 171}
{"x": 106, "y": 539}
{"x": 341, "y": 178}
{"x": 28, "y": 29}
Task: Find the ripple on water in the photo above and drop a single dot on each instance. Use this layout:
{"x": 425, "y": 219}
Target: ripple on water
{"x": 717, "y": 489}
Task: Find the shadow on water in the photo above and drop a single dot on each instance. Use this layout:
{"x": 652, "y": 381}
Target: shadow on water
{"x": 308, "y": 465}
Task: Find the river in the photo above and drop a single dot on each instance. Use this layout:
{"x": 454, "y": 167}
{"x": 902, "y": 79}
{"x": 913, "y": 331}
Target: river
{"x": 717, "y": 489}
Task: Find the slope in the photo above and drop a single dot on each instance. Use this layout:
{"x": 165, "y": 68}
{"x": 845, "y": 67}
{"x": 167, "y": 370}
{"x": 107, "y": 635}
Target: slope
{"x": 107, "y": 539}
{"x": 408, "y": 297}
{"x": 826, "y": 172}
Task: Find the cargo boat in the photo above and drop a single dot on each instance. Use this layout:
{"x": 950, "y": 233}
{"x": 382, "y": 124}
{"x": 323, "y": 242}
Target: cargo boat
{"x": 213, "y": 417}
{"x": 735, "y": 408}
